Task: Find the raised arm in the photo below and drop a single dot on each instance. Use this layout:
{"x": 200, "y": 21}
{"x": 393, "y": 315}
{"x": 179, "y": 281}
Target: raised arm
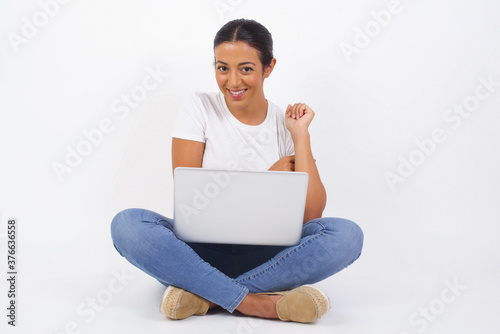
{"x": 298, "y": 118}
{"x": 187, "y": 153}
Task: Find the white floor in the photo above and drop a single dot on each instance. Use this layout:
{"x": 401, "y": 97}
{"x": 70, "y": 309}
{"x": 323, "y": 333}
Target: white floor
{"x": 447, "y": 287}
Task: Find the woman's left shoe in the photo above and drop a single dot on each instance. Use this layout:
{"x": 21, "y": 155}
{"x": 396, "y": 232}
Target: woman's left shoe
{"x": 177, "y": 304}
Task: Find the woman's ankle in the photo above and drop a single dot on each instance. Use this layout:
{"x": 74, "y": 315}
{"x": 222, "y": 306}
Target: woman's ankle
{"x": 263, "y": 306}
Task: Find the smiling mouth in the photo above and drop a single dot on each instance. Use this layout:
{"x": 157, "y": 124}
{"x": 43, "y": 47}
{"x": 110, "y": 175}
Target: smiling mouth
{"x": 236, "y": 93}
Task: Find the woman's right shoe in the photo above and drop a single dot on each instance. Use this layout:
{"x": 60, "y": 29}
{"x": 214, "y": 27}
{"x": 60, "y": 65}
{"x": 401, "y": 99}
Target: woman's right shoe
{"x": 303, "y": 304}
{"x": 177, "y": 303}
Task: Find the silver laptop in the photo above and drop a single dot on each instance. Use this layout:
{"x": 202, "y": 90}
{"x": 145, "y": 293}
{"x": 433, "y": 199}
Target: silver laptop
{"x": 239, "y": 207}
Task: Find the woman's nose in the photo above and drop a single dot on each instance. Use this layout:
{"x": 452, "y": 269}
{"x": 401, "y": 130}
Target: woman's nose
{"x": 234, "y": 79}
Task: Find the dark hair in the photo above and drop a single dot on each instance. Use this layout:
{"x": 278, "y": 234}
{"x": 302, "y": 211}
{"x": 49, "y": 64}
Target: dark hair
{"x": 251, "y": 32}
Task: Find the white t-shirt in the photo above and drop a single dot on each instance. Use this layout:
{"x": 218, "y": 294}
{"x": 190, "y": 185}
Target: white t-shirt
{"x": 230, "y": 144}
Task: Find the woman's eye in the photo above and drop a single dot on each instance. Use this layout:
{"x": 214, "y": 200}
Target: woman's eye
{"x": 247, "y": 69}
{"x": 222, "y": 68}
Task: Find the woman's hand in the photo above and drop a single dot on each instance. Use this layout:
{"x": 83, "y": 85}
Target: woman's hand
{"x": 297, "y": 118}
{"x": 286, "y": 164}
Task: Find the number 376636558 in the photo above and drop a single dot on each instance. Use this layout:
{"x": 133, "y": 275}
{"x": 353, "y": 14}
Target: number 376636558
{"x": 11, "y": 244}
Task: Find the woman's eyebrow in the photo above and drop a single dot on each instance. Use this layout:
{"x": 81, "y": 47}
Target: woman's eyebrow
{"x": 240, "y": 64}
{"x": 246, "y": 63}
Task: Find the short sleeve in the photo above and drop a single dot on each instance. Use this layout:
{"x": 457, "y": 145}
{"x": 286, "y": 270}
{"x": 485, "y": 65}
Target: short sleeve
{"x": 285, "y": 141}
{"x": 190, "y": 122}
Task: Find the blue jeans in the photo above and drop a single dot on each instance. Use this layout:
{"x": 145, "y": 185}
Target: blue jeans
{"x": 225, "y": 274}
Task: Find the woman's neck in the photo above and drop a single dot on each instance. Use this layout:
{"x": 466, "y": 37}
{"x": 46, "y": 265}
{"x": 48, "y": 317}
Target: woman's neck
{"x": 253, "y": 114}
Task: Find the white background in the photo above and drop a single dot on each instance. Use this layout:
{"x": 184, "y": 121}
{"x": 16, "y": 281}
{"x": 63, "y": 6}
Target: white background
{"x": 438, "y": 227}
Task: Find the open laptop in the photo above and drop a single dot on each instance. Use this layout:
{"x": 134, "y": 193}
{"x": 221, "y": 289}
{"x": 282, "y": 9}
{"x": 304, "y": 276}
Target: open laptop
{"x": 239, "y": 207}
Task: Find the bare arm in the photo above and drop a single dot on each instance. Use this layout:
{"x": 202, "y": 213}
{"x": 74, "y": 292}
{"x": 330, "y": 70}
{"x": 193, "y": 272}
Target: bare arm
{"x": 298, "y": 119}
{"x": 187, "y": 153}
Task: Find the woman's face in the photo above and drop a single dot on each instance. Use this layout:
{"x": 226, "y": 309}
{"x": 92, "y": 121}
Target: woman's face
{"x": 240, "y": 74}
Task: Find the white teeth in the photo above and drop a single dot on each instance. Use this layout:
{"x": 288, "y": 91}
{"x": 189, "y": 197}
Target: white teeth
{"x": 237, "y": 93}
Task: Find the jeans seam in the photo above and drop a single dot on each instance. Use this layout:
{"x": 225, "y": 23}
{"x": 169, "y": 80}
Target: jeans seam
{"x": 238, "y": 300}
{"x": 166, "y": 221}
{"x": 296, "y": 248}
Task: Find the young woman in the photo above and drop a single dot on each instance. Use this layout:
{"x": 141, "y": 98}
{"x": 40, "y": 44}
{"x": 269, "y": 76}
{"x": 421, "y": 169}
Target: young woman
{"x": 238, "y": 128}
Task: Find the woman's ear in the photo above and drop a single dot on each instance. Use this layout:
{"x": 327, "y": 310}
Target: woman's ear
{"x": 269, "y": 68}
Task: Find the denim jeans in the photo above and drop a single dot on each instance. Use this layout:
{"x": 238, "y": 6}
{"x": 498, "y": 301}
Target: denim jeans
{"x": 225, "y": 274}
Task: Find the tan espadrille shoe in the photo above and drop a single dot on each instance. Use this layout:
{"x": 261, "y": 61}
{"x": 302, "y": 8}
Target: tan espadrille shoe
{"x": 177, "y": 303}
{"x": 303, "y": 304}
